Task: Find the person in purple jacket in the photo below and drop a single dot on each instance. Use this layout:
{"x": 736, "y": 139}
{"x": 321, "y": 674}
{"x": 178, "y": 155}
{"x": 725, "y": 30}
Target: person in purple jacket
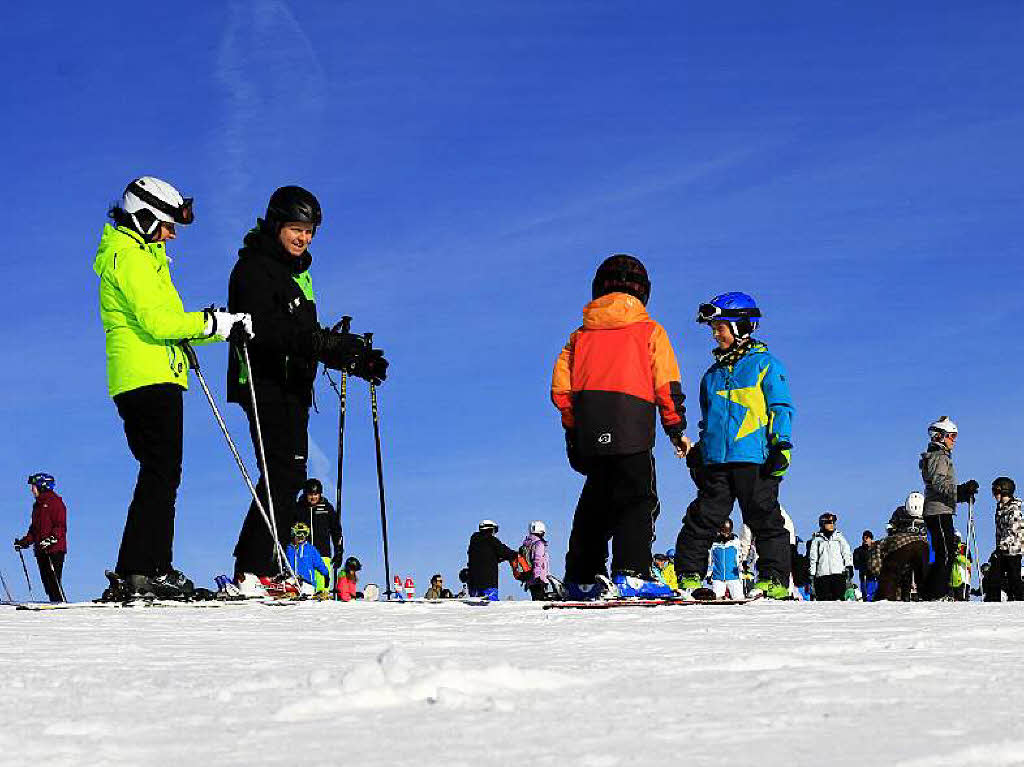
{"x": 536, "y": 550}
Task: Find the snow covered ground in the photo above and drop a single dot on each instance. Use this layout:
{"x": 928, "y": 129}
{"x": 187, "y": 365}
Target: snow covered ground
{"x": 364, "y": 684}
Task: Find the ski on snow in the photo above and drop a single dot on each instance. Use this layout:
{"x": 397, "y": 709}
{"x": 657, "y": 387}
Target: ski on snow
{"x": 608, "y": 604}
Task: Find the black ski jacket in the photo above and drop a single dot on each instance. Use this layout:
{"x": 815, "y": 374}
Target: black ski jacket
{"x": 860, "y": 557}
{"x": 485, "y": 552}
{"x": 275, "y": 288}
{"x": 326, "y": 525}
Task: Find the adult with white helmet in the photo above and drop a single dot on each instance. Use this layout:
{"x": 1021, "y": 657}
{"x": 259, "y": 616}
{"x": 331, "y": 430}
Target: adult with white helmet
{"x": 902, "y": 552}
{"x": 144, "y": 322}
{"x": 535, "y": 549}
{"x": 485, "y": 553}
{"x": 941, "y": 495}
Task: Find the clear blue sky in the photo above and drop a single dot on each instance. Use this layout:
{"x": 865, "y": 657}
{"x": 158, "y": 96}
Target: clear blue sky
{"x": 857, "y": 167}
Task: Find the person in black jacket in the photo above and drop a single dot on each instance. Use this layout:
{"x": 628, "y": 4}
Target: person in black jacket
{"x": 868, "y": 584}
{"x": 485, "y": 552}
{"x": 325, "y": 525}
{"x": 271, "y": 281}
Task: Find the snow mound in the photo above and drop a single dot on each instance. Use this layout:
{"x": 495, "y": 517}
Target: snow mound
{"x": 394, "y": 679}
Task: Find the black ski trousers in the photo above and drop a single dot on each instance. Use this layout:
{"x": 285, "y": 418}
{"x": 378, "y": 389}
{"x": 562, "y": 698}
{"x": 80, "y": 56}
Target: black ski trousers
{"x": 283, "y": 421}
{"x": 829, "y": 588}
{"x": 1009, "y": 576}
{"x": 718, "y": 487}
{"x": 152, "y": 418}
{"x": 913, "y": 557}
{"x": 619, "y": 503}
{"x": 943, "y": 544}
{"x": 51, "y": 569}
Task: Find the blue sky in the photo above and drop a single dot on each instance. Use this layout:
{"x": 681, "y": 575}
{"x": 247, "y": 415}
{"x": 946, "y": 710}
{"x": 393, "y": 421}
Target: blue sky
{"x": 855, "y": 166}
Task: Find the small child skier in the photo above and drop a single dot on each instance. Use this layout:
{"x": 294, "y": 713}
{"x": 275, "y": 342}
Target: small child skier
{"x": 615, "y": 373}
{"x": 725, "y": 564}
{"x": 745, "y": 444}
{"x": 348, "y": 579}
{"x": 1009, "y": 537}
{"x": 304, "y": 559}
{"x": 535, "y": 546}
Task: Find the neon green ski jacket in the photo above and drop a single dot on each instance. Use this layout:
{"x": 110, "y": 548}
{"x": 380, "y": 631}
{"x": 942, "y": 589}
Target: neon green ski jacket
{"x": 142, "y": 313}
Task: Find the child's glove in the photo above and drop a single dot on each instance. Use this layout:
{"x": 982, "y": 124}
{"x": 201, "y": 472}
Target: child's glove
{"x": 777, "y": 463}
{"x": 576, "y": 461}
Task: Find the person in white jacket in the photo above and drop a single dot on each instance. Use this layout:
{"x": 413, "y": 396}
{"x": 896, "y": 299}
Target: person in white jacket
{"x": 831, "y": 560}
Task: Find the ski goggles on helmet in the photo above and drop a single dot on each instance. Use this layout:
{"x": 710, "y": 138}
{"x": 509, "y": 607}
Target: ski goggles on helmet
{"x": 181, "y": 214}
{"x": 710, "y": 313}
{"x": 827, "y": 519}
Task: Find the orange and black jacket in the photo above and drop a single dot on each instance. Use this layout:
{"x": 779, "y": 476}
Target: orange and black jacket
{"x": 612, "y": 375}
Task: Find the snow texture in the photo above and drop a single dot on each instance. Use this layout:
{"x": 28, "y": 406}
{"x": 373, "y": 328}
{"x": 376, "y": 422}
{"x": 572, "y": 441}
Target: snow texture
{"x": 788, "y": 684}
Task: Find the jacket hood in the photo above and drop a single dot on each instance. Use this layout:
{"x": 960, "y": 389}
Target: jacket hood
{"x": 259, "y": 244}
{"x": 113, "y": 238}
{"x": 614, "y": 310}
{"x": 935, "y": 447}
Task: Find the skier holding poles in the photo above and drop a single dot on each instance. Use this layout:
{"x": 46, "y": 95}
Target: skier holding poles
{"x": 147, "y": 371}
{"x": 48, "y": 532}
{"x": 271, "y": 282}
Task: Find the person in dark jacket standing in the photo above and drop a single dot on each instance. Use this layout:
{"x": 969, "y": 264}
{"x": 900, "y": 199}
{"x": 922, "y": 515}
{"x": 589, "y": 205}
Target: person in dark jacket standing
{"x": 485, "y": 552}
{"x": 48, "y": 532}
{"x": 941, "y": 495}
{"x": 868, "y": 584}
{"x": 271, "y": 282}
{"x": 325, "y": 523}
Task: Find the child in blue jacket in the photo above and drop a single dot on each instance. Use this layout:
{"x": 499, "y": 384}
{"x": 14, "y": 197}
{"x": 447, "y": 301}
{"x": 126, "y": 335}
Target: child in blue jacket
{"x": 725, "y": 564}
{"x": 304, "y": 557}
{"x": 745, "y": 443}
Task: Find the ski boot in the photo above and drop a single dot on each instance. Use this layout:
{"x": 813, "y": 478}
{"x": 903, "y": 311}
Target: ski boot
{"x": 587, "y": 592}
{"x": 688, "y": 584}
{"x": 172, "y": 585}
{"x": 629, "y": 585}
{"x": 125, "y": 588}
{"x": 770, "y": 589}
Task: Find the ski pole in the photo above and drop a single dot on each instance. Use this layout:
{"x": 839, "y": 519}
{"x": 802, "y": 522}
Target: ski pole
{"x": 345, "y": 326}
{"x": 6, "y": 590}
{"x": 53, "y": 572}
{"x": 25, "y": 568}
{"x": 193, "y": 362}
{"x": 262, "y": 457}
{"x": 380, "y": 474}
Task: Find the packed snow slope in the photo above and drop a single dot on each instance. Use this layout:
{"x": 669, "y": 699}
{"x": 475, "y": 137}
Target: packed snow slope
{"x": 508, "y": 684}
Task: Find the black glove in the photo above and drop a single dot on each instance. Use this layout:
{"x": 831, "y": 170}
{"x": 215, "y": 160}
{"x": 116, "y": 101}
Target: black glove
{"x": 777, "y": 463}
{"x": 372, "y": 367}
{"x": 849, "y": 572}
{"x": 338, "y": 350}
{"x": 19, "y": 544}
{"x": 572, "y": 452}
{"x": 694, "y": 458}
{"x": 47, "y": 542}
{"x": 967, "y": 490}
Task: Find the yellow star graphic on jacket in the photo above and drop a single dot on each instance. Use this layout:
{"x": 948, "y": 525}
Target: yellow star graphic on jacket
{"x": 752, "y": 398}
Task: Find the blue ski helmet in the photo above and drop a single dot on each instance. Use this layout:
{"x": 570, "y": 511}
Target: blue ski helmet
{"x": 42, "y": 481}
{"x": 738, "y": 309}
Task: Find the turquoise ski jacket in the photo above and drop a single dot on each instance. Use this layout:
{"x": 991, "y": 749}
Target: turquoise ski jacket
{"x": 745, "y": 408}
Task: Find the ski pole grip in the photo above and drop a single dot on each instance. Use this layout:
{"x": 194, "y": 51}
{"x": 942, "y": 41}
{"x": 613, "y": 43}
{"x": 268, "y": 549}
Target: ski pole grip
{"x": 345, "y": 325}
{"x": 190, "y": 355}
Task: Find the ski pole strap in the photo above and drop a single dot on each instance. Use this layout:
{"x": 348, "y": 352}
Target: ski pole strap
{"x": 190, "y": 355}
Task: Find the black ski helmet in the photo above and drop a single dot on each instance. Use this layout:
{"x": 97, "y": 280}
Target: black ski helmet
{"x": 293, "y": 203}
{"x": 1004, "y": 486}
{"x": 827, "y": 517}
{"x": 622, "y": 273}
{"x": 313, "y": 485}
{"x": 354, "y": 565}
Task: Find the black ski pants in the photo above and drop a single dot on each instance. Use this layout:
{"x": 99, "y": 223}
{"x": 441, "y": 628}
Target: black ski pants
{"x": 1009, "y": 576}
{"x": 283, "y": 422}
{"x": 913, "y": 557}
{"x": 539, "y": 592}
{"x": 718, "y": 487}
{"x": 829, "y": 588}
{"x": 619, "y": 503}
{"x": 152, "y": 418}
{"x": 51, "y": 569}
{"x": 944, "y": 545}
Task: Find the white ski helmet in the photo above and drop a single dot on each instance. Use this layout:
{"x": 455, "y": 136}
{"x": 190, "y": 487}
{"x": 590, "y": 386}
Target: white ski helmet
{"x": 148, "y": 201}
{"x": 488, "y": 524}
{"x": 942, "y": 427}
{"x": 538, "y": 528}
{"x": 915, "y": 505}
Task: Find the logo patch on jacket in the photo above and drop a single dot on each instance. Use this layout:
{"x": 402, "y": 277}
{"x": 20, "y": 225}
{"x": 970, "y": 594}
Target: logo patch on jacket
{"x": 604, "y": 439}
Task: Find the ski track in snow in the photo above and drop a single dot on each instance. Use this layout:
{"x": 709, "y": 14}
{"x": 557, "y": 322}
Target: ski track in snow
{"x": 910, "y": 685}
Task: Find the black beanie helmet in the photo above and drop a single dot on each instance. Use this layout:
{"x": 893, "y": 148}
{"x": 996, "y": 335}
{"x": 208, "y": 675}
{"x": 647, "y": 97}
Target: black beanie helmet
{"x": 622, "y": 273}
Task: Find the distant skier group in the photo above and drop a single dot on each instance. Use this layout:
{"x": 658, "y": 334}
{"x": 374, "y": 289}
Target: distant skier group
{"x": 614, "y": 377}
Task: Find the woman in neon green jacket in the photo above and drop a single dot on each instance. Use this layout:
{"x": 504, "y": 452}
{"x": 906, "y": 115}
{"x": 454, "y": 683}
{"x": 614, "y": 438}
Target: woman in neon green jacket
{"x": 145, "y": 321}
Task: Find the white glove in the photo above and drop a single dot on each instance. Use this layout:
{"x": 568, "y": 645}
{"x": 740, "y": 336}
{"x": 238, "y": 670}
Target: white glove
{"x": 221, "y": 323}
